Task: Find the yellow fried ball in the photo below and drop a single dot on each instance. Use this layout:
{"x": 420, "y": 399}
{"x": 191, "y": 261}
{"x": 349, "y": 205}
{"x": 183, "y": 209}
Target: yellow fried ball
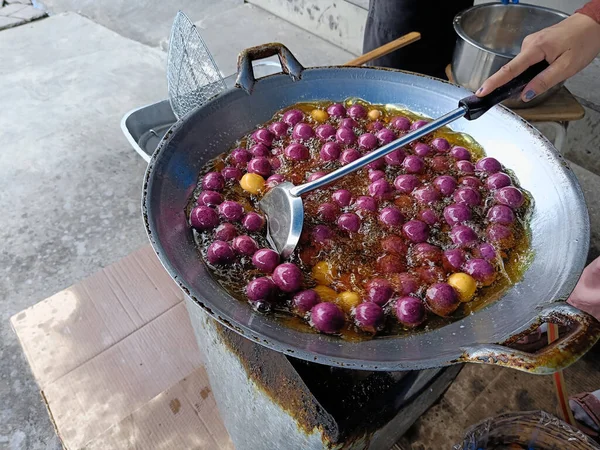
{"x": 464, "y": 285}
{"x": 326, "y": 293}
{"x": 319, "y": 115}
{"x": 374, "y": 114}
{"x": 348, "y": 300}
{"x": 324, "y": 272}
{"x": 252, "y": 182}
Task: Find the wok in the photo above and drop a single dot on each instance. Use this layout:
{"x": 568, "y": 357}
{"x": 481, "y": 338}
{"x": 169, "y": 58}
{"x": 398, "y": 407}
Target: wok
{"x": 559, "y": 224}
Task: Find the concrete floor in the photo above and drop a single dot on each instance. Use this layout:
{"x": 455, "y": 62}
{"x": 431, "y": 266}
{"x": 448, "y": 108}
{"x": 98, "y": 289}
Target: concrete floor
{"x": 70, "y": 184}
{"x": 145, "y": 21}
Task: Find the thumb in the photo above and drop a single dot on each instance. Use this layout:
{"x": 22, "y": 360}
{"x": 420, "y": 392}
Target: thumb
{"x": 556, "y": 73}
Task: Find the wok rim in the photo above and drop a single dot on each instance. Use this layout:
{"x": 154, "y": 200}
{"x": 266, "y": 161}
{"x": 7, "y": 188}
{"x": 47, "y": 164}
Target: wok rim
{"x": 271, "y": 341}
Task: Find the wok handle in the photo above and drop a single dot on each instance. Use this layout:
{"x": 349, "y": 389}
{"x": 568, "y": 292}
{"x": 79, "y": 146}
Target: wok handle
{"x": 476, "y": 106}
{"x": 289, "y": 63}
{"x": 552, "y": 358}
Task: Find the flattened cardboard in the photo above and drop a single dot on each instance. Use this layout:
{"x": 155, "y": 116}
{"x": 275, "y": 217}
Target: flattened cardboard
{"x": 108, "y": 387}
{"x": 185, "y": 416}
{"x": 73, "y": 326}
{"x": 109, "y": 346}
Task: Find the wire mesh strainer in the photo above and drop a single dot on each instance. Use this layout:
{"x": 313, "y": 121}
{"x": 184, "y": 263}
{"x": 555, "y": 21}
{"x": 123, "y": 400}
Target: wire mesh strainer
{"x": 192, "y": 74}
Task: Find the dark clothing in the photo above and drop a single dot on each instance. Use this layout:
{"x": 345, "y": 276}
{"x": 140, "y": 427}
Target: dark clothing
{"x": 391, "y": 19}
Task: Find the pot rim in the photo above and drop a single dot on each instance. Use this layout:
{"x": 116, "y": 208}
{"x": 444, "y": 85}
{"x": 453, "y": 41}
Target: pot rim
{"x": 457, "y": 23}
{"x": 328, "y": 350}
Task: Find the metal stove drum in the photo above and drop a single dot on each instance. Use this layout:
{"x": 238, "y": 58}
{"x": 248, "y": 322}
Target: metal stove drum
{"x": 269, "y": 400}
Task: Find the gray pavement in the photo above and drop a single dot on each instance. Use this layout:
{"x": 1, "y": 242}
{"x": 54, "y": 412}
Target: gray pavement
{"x": 590, "y": 185}
{"x": 583, "y": 143}
{"x": 146, "y": 21}
{"x": 18, "y": 12}
{"x": 70, "y": 184}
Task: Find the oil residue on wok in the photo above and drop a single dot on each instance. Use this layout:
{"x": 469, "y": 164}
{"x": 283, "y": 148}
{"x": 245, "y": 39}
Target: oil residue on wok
{"x": 356, "y": 257}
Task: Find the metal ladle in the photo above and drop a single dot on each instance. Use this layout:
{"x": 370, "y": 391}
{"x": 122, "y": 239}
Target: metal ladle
{"x": 283, "y": 206}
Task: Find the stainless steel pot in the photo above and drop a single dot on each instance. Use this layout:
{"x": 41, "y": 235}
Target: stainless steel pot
{"x": 559, "y": 226}
{"x": 490, "y": 35}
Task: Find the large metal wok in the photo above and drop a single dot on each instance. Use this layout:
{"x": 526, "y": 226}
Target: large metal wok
{"x": 559, "y": 226}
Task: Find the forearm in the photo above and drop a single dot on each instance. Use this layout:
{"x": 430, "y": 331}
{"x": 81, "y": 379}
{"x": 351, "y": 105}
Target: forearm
{"x": 591, "y": 9}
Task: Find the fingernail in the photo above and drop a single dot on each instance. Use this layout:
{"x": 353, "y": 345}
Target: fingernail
{"x": 529, "y": 95}
{"x": 480, "y": 90}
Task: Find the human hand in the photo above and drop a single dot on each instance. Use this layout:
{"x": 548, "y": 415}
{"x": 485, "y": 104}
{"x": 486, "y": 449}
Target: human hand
{"x": 568, "y": 47}
{"x": 586, "y": 295}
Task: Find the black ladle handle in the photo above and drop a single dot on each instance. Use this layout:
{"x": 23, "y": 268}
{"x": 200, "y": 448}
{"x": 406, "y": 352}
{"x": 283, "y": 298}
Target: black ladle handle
{"x": 476, "y": 106}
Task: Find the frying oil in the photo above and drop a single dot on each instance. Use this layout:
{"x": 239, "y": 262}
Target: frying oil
{"x": 355, "y": 255}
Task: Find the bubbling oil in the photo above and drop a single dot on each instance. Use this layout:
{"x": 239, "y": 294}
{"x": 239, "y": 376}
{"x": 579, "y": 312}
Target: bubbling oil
{"x": 355, "y": 255}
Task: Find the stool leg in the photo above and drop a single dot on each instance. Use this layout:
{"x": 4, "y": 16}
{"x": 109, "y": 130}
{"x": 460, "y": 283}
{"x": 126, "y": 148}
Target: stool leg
{"x": 560, "y": 133}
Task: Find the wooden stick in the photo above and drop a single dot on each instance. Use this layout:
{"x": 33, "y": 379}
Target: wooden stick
{"x": 385, "y": 49}
{"x": 449, "y": 74}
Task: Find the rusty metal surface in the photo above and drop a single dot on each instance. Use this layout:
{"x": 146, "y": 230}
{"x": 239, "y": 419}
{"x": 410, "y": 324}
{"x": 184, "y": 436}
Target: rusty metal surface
{"x": 277, "y": 378}
{"x": 266, "y": 398}
{"x": 583, "y": 335}
{"x": 254, "y": 420}
{"x": 560, "y": 250}
{"x": 345, "y": 405}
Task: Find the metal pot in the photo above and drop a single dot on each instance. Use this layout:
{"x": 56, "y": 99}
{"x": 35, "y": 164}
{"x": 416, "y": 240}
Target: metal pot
{"x": 490, "y": 35}
{"x": 559, "y": 225}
